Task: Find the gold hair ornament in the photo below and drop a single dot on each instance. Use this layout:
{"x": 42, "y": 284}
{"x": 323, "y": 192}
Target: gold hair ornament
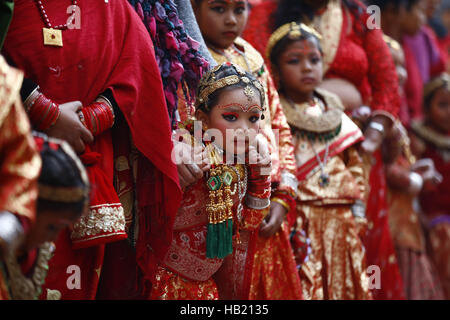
{"x": 443, "y": 80}
{"x": 208, "y": 84}
{"x": 293, "y": 30}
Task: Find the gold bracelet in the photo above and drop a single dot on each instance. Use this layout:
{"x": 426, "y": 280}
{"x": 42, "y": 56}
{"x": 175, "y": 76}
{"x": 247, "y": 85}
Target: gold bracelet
{"x": 282, "y": 202}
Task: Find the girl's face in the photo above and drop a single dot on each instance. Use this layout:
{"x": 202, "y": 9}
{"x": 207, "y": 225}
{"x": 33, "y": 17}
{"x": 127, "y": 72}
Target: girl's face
{"x": 48, "y": 225}
{"x": 411, "y": 21}
{"x": 439, "y": 113}
{"x": 300, "y": 69}
{"x": 220, "y": 21}
{"x": 236, "y": 117}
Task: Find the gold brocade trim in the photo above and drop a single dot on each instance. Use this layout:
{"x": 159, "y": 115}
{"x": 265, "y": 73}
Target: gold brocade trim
{"x": 326, "y": 121}
{"x": 443, "y": 80}
{"x": 107, "y": 218}
{"x": 439, "y": 140}
{"x": 329, "y": 25}
{"x": 21, "y": 287}
{"x": 392, "y": 43}
{"x": 254, "y": 58}
{"x": 10, "y": 84}
{"x": 62, "y": 194}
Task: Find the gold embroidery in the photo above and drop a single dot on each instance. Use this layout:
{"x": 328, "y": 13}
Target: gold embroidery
{"x": 23, "y": 288}
{"x": 439, "y": 140}
{"x": 328, "y": 120}
{"x": 101, "y": 219}
{"x": 329, "y": 24}
{"x": 53, "y": 294}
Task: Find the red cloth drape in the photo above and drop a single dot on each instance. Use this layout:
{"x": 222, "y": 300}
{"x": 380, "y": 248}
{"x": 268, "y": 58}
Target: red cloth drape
{"x": 111, "y": 50}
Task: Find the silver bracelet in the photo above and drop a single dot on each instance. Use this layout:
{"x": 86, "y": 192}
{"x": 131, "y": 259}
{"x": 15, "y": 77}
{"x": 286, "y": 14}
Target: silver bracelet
{"x": 415, "y": 182}
{"x": 27, "y": 104}
{"x": 256, "y": 203}
{"x": 290, "y": 180}
{"x": 359, "y": 209}
{"x": 11, "y": 231}
{"x": 377, "y": 126}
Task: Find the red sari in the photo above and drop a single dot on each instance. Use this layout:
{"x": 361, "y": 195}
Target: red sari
{"x": 111, "y": 50}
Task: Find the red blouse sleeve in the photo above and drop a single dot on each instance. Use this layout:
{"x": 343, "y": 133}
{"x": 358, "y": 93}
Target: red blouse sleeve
{"x": 381, "y": 74}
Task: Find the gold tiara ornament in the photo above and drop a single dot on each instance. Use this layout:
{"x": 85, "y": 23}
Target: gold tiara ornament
{"x": 443, "y": 80}
{"x": 62, "y": 194}
{"x": 208, "y": 84}
{"x": 293, "y": 30}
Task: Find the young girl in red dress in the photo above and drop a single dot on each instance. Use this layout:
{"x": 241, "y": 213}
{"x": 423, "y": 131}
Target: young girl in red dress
{"x": 216, "y": 225}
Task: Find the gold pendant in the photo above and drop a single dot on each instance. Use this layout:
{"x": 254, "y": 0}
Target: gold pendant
{"x": 52, "y": 37}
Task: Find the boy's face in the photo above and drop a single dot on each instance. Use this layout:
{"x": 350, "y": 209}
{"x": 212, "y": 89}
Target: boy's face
{"x": 220, "y": 21}
{"x": 300, "y": 67}
{"x": 236, "y": 119}
{"x": 413, "y": 19}
{"x": 439, "y": 113}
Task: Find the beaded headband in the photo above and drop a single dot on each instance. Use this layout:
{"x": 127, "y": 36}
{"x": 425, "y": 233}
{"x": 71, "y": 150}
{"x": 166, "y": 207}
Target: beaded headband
{"x": 443, "y": 80}
{"x": 209, "y": 84}
{"x": 293, "y": 30}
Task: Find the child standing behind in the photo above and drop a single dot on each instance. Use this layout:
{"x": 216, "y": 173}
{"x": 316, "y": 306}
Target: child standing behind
{"x": 332, "y": 182}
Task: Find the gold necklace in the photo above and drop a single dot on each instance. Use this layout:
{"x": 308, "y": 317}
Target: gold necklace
{"x": 21, "y": 287}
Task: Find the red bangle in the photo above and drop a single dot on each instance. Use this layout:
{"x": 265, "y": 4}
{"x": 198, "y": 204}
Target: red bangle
{"x": 43, "y": 113}
{"x": 98, "y": 117}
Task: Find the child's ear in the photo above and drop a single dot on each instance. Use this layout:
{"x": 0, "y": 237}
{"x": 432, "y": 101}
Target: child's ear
{"x": 200, "y": 115}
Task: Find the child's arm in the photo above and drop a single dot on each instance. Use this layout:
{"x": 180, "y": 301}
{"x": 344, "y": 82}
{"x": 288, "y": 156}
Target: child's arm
{"x": 257, "y": 200}
{"x": 355, "y": 165}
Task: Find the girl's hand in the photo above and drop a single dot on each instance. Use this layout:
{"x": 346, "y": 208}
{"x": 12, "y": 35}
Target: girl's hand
{"x": 272, "y": 223}
{"x": 192, "y": 164}
{"x": 259, "y": 156}
{"x": 431, "y": 177}
{"x": 68, "y": 127}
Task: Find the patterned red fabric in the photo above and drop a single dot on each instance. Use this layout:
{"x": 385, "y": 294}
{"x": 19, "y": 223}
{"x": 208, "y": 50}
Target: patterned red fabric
{"x": 375, "y": 77}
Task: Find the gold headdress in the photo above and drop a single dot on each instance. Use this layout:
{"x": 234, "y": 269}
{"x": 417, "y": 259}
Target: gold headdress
{"x": 209, "y": 84}
{"x": 443, "y": 80}
{"x": 293, "y": 30}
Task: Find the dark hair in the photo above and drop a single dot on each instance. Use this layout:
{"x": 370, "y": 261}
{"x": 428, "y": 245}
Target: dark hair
{"x": 296, "y": 10}
{"x": 60, "y": 170}
{"x": 223, "y": 71}
{"x": 396, "y": 4}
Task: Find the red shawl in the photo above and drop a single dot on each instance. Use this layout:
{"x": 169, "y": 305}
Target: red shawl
{"x": 111, "y": 50}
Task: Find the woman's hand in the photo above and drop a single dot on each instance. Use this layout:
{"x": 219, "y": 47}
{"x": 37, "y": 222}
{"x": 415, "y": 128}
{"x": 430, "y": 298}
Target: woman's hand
{"x": 68, "y": 127}
{"x": 272, "y": 223}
